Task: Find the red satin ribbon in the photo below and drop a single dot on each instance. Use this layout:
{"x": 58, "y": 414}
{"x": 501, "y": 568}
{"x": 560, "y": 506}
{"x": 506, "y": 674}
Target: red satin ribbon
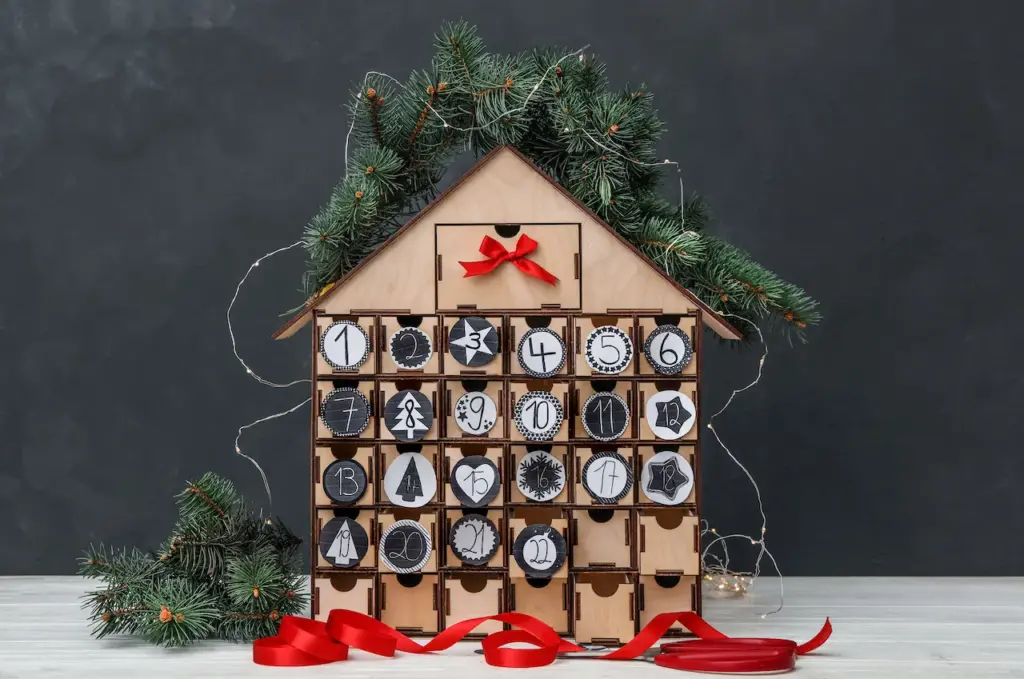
{"x": 301, "y": 641}
{"x": 497, "y": 255}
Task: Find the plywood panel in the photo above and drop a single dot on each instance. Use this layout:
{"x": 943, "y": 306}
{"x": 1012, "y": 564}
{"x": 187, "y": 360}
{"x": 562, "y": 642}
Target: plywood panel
{"x": 602, "y": 544}
{"x": 547, "y": 600}
{"x": 409, "y": 609}
{"x": 604, "y": 607}
{"x": 344, "y": 590}
{"x": 473, "y": 596}
{"x": 656, "y": 599}
{"x": 669, "y": 542}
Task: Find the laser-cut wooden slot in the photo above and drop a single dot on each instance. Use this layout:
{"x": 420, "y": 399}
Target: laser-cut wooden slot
{"x": 605, "y": 608}
{"x": 602, "y": 538}
{"x": 474, "y": 595}
{"x": 324, "y": 455}
{"x": 430, "y": 325}
{"x": 451, "y": 561}
{"x": 431, "y": 389}
{"x": 560, "y": 453}
{"x": 647, "y": 324}
{"x": 410, "y": 603}
{"x": 669, "y": 541}
{"x": 559, "y": 389}
{"x": 364, "y": 517}
{"x": 520, "y": 325}
{"x": 364, "y": 387}
{"x": 475, "y": 409}
{"x": 389, "y": 452}
{"x": 493, "y": 367}
{"x": 666, "y": 594}
{"x": 454, "y": 452}
{"x": 369, "y": 367}
{"x": 352, "y": 591}
{"x": 584, "y": 325}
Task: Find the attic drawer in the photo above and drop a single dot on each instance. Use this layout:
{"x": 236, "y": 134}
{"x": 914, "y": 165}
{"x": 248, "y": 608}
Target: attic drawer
{"x": 668, "y": 347}
{"x": 605, "y": 608}
{"x": 418, "y": 352}
{"x": 345, "y": 469}
{"x": 534, "y": 340}
{"x": 506, "y": 287}
{"x": 669, "y": 542}
{"x": 339, "y": 538}
{"x": 346, "y": 345}
{"x": 667, "y": 594}
{"x": 546, "y": 600}
{"x": 409, "y": 602}
{"x": 602, "y": 538}
{"x": 677, "y": 416}
{"x": 475, "y": 409}
{"x": 345, "y": 409}
{"x": 473, "y": 595}
{"x": 475, "y": 539}
{"x": 353, "y": 591}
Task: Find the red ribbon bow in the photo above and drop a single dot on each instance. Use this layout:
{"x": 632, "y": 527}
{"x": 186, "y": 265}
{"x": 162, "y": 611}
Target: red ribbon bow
{"x": 301, "y": 641}
{"x": 496, "y": 255}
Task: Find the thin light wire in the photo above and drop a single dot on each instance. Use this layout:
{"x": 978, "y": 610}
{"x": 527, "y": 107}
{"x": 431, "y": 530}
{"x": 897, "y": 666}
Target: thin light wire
{"x": 238, "y": 449}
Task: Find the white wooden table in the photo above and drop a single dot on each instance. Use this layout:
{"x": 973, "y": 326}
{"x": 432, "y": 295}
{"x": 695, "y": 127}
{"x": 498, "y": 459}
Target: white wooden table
{"x": 884, "y": 628}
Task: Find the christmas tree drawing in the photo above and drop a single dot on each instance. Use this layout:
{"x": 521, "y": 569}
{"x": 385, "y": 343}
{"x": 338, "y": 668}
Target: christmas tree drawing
{"x": 410, "y": 487}
{"x": 342, "y": 550}
{"x": 409, "y": 419}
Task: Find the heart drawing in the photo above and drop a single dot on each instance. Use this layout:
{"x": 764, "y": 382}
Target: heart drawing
{"x": 475, "y": 481}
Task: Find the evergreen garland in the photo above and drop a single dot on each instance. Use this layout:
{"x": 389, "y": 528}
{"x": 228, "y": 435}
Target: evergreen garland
{"x": 599, "y": 145}
{"x": 224, "y": 573}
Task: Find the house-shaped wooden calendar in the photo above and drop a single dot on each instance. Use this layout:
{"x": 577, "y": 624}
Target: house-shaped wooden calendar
{"x": 506, "y": 419}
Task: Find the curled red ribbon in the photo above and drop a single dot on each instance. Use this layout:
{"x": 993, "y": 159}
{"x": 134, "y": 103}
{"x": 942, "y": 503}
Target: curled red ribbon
{"x": 301, "y": 641}
{"x": 497, "y": 255}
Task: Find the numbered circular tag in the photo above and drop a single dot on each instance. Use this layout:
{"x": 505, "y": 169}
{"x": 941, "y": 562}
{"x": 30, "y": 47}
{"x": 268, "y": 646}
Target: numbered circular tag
{"x": 344, "y": 481}
{"x": 540, "y": 476}
{"x": 605, "y": 416}
{"x": 670, "y": 414}
{"x": 538, "y": 415}
{"x": 473, "y": 341}
{"x": 345, "y": 345}
{"x": 408, "y": 415}
{"x": 608, "y": 350}
{"x": 409, "y": 481}
{"x": 539, "y": 550}
{"x": 541, "y": 352}
{"x": 474, "y": 481}
{"x": 668, "y": 349}
{"x": 345, "y": 411}
{"x": 410, "y": 348}
{"x": 343, "y": 542}
{"x": 474, "y": 539}
{"x": 405, "y": 546}
{"x": 667, "y": 478}
{"x": 475, "y": 413}
{"x": 607, "y": 477}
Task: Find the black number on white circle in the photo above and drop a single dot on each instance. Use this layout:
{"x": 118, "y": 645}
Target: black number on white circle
{"x": 345, "y": 345}
{"x": 539, "y": 550}
{"x": 409, "y": 480}
{"x": 670, "y": 414}
{"x": 540, "y": 476}
{"x": 343, "y": 542}
{"x": 474, "y": 539}
{"x": 344, "y": 481}
{"x": 405, "y": 546}
{"x": 408, "y": 415}
{"x": 541, "y": 352}
{"x": 474, "y": 481}
{"x": 475, "y": 413}
{"x": 605, "y": 416}
{"x": 668, "y": 349}
{"x": 667, "y": 478}
{"x": 607, "y": 477}
{"x": 345, "y": 411}
{"x": 608, "y": 350}
{"x": 410, "y": 348}
{"x": 473, "y": 341}
{"x": 538, "y": 415}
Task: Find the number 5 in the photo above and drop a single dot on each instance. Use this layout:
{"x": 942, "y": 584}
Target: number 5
{"x": 605, "y": 345}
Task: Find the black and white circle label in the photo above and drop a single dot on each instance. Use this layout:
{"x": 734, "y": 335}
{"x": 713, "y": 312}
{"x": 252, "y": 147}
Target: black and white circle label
{"x": 345, "y": 411}
{"x": 539, "y": 550}
{"x": 410, "y": 348}
{"x": 408, "y": 415}
{"x": 668, "y": 349}
{"x": 475, "y": 481}
{"x": 538, "y": 415}
{"x": 670, "y": 414}
{"x": 474, "y": 539}
{"x": 607, "y": 477}
{"x": 410, "y": 480}
{"x": 667, "y": 478}
{"x": 473, "y": 341}
{"x": 475, "y": 413}
{"x": 541, "y": 352}
{"x": 405, "y": 546}
{"x": 540, "y": 476}
{"x": 345, "y": 345}
{"x": 608, "y": 350}
{"x": 344, "y": 481}
{"x": 605, "y": 416}
{"x": 343, "y": 542}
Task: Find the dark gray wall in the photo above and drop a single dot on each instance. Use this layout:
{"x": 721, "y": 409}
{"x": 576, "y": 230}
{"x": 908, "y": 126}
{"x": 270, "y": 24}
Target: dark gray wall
{"x": 871, "y": 151}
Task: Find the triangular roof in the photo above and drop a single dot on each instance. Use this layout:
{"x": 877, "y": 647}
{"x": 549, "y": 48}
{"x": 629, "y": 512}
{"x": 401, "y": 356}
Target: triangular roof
{"x": 710, "y": 317}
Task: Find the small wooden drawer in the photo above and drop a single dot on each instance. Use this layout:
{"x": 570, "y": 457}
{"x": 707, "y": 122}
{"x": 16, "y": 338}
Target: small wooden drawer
{"x": 496, "y": 517}
{"x": 602, "y": 538}
{"x": 669, "y": 541}
{"x": 520, "y": 518}
{"x": 606, "y": 480}
{"x": 475, "y": 346}
{"x": 355, "y": 346}
{"x": 605, "y": 608}
{"x": 344, "y": 479}
{"x": 389, "y": 454}
{"x": 411, "y": 346}
{"x": 584, "y": 389}
{"x": 474, "y": 595}
{"x": 409, "y": 603}
{"x": 646, "y": 390}
{"x": 472, "y": 485}
{"x": 583, "y": 326}
{"x": 475, "y": 414}
{"x": 539, "y": 474}
{"x": 352, "y": 591}
{"x": 365, "y": 518}
{"x": 541, "y": 413}
{"x": 519, "y": 326}
{"x": 686, "y": 324}
{"x": 546, "y": 600}
{"x": 658, "y": 477}
{"x": 429, "y": 389}
{"x": 667, "y": 594}
{"x": 427, "y": 518}
{"x": 365, "y": 388}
